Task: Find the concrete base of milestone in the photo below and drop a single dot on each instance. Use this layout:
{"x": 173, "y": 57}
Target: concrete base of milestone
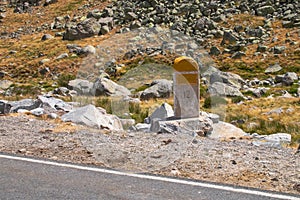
{"x": 193, "y": 126}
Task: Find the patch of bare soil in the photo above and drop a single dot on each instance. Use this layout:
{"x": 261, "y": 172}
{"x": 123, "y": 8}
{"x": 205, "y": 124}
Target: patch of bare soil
{"x": 235, "y": 162}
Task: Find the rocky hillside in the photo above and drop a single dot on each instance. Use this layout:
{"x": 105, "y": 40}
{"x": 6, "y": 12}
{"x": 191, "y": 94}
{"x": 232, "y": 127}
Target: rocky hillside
{"x": 247, "y": 50}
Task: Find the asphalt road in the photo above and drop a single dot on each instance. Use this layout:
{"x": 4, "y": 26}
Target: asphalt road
{"x": 22, "y": 178}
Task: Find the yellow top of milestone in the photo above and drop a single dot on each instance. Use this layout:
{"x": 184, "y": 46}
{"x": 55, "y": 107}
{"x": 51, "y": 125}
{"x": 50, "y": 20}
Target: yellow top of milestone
{"x": 185, "y": 64}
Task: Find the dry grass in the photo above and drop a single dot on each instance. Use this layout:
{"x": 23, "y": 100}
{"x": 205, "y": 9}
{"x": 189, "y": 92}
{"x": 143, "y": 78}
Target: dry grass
{"x": 259, "y": 118}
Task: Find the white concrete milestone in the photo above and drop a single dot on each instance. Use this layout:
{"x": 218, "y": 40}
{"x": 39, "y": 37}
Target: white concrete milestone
{"x": 186, "y": 88}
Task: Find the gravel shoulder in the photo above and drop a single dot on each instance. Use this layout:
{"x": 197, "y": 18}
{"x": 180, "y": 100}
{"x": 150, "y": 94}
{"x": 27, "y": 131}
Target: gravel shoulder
{"x": 235, "y": 162}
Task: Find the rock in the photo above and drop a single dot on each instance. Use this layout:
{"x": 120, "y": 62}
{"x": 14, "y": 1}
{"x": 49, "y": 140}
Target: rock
{"x": 127, "y": 123}
{"x": 62, "y": 56}
{"x": 261, "y": 48}
{"x": 227, "y": 78}
{"x": 89, "y": 49}
{"x": 104, "y": 30}
{"x": 54, "y": 103}
{"x": 140, "y": 127}
{"x": 84, "y": 29}
{"x": 48, "y": 2}
{"x": 238, "y": 55}
{"x": 289, "y": 78}
{"x": 4, "y": 107}
{"x": 43, "y": 61}
{"x": 192, "y": 126}
{"x": 273, "y": 68}
{"x": 265, "y": 10}
{"x": 215, "y": 51}
{"x": 93, "y": 117}
{"x": 37, "y": 111}
{"x": 274, "y": 140}
{"x": 159, "y": 89}
{"x": 162, "y": 113}
{"x": 2, "y": 16}
{"x": 229, "y": 38}
{"x": 222, "y": 89}
{"x": 63, "y": 91}
{"x": 279, "y": 49}
{"x": 27, "y": 104}
{"x": 298, "y": 92}
{"x": 214, "y": 117}
{"x": 104, "y": 86}
{"x": 46, "y": 37}
{"x": 107, "y": 21}
{"x": 82, "y": 87}
{"x": 5, "y": 84}
{"x": 226, "y": 130}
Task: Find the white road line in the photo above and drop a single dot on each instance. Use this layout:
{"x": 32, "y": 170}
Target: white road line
{"x": 158, "y": 178}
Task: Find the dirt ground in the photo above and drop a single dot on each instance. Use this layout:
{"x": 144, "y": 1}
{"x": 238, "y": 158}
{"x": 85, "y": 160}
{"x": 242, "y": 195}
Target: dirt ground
{"x": 236, "y": 162}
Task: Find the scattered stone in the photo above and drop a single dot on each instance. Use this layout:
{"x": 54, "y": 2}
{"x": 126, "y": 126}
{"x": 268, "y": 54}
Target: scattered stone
{"x": 4, "y": 107}
{"x": 27, "y": 104}
{"x": 215, "y": 51}
{"x": 54, "y": 103}
{"x": 140, "y": 127}
{"x": 46, "y": 37}
{"x": 82, "y": 87}
{"x": 226, "y": 130}
{"x": 162, "y": 113}
{"x": 89, "y": 49}
{"x": 289, "y": 78}
{"x": 5, "y": 84}
{"x": 273, "y": 68}
{"x": 84, "y": 29}
{"x": 265, "y": 10}
{"x": 38, "y": 111}
{"x": 158, "y": 89}
{"x": 274, "y": 140}
{"x": 191, "y": 126}
{"x": 62, "y": 56}
{"x": 221, "y": 89}
{"x": 93, "y": 117}
{"x": 261, "y": 48}
{"x": 104, "y": 86}
{"x": 279, "y": 49}
{"x": 238, "y": 55}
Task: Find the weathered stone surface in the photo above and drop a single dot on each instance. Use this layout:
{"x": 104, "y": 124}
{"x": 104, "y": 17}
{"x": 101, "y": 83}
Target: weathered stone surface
{"x": 227, "y": 78}
{"x": 274, "y": 140}
{"x": 104, "y": 86}
{"x": 46, "y": 37}
{"x": 192, "y": 126}
{"x": 226, "y": 130}
{"x": 82, "y": 87}
{"x": 158, "y": 89}
{"x": 27, "y": 104}
{"x": 162, "y": 113}
{"x": 4, "y": 107}
{"x": 93, "y": 117}
{"x": 273, "y": 68}
{"x": 84, "y": 29}
{"x": 62, "y": 56}
{"x": 37, "y": 111}
{"x": 289, "y": 78}
{"x": 221, "y": 89}
{"x": 5, "y": 84}
{"x": 54, "y": 103}
{"x": 265, "y": 10}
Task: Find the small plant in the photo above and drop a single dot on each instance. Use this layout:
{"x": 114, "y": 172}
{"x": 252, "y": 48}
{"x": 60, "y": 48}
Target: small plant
{"x": 63, "y": 79}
